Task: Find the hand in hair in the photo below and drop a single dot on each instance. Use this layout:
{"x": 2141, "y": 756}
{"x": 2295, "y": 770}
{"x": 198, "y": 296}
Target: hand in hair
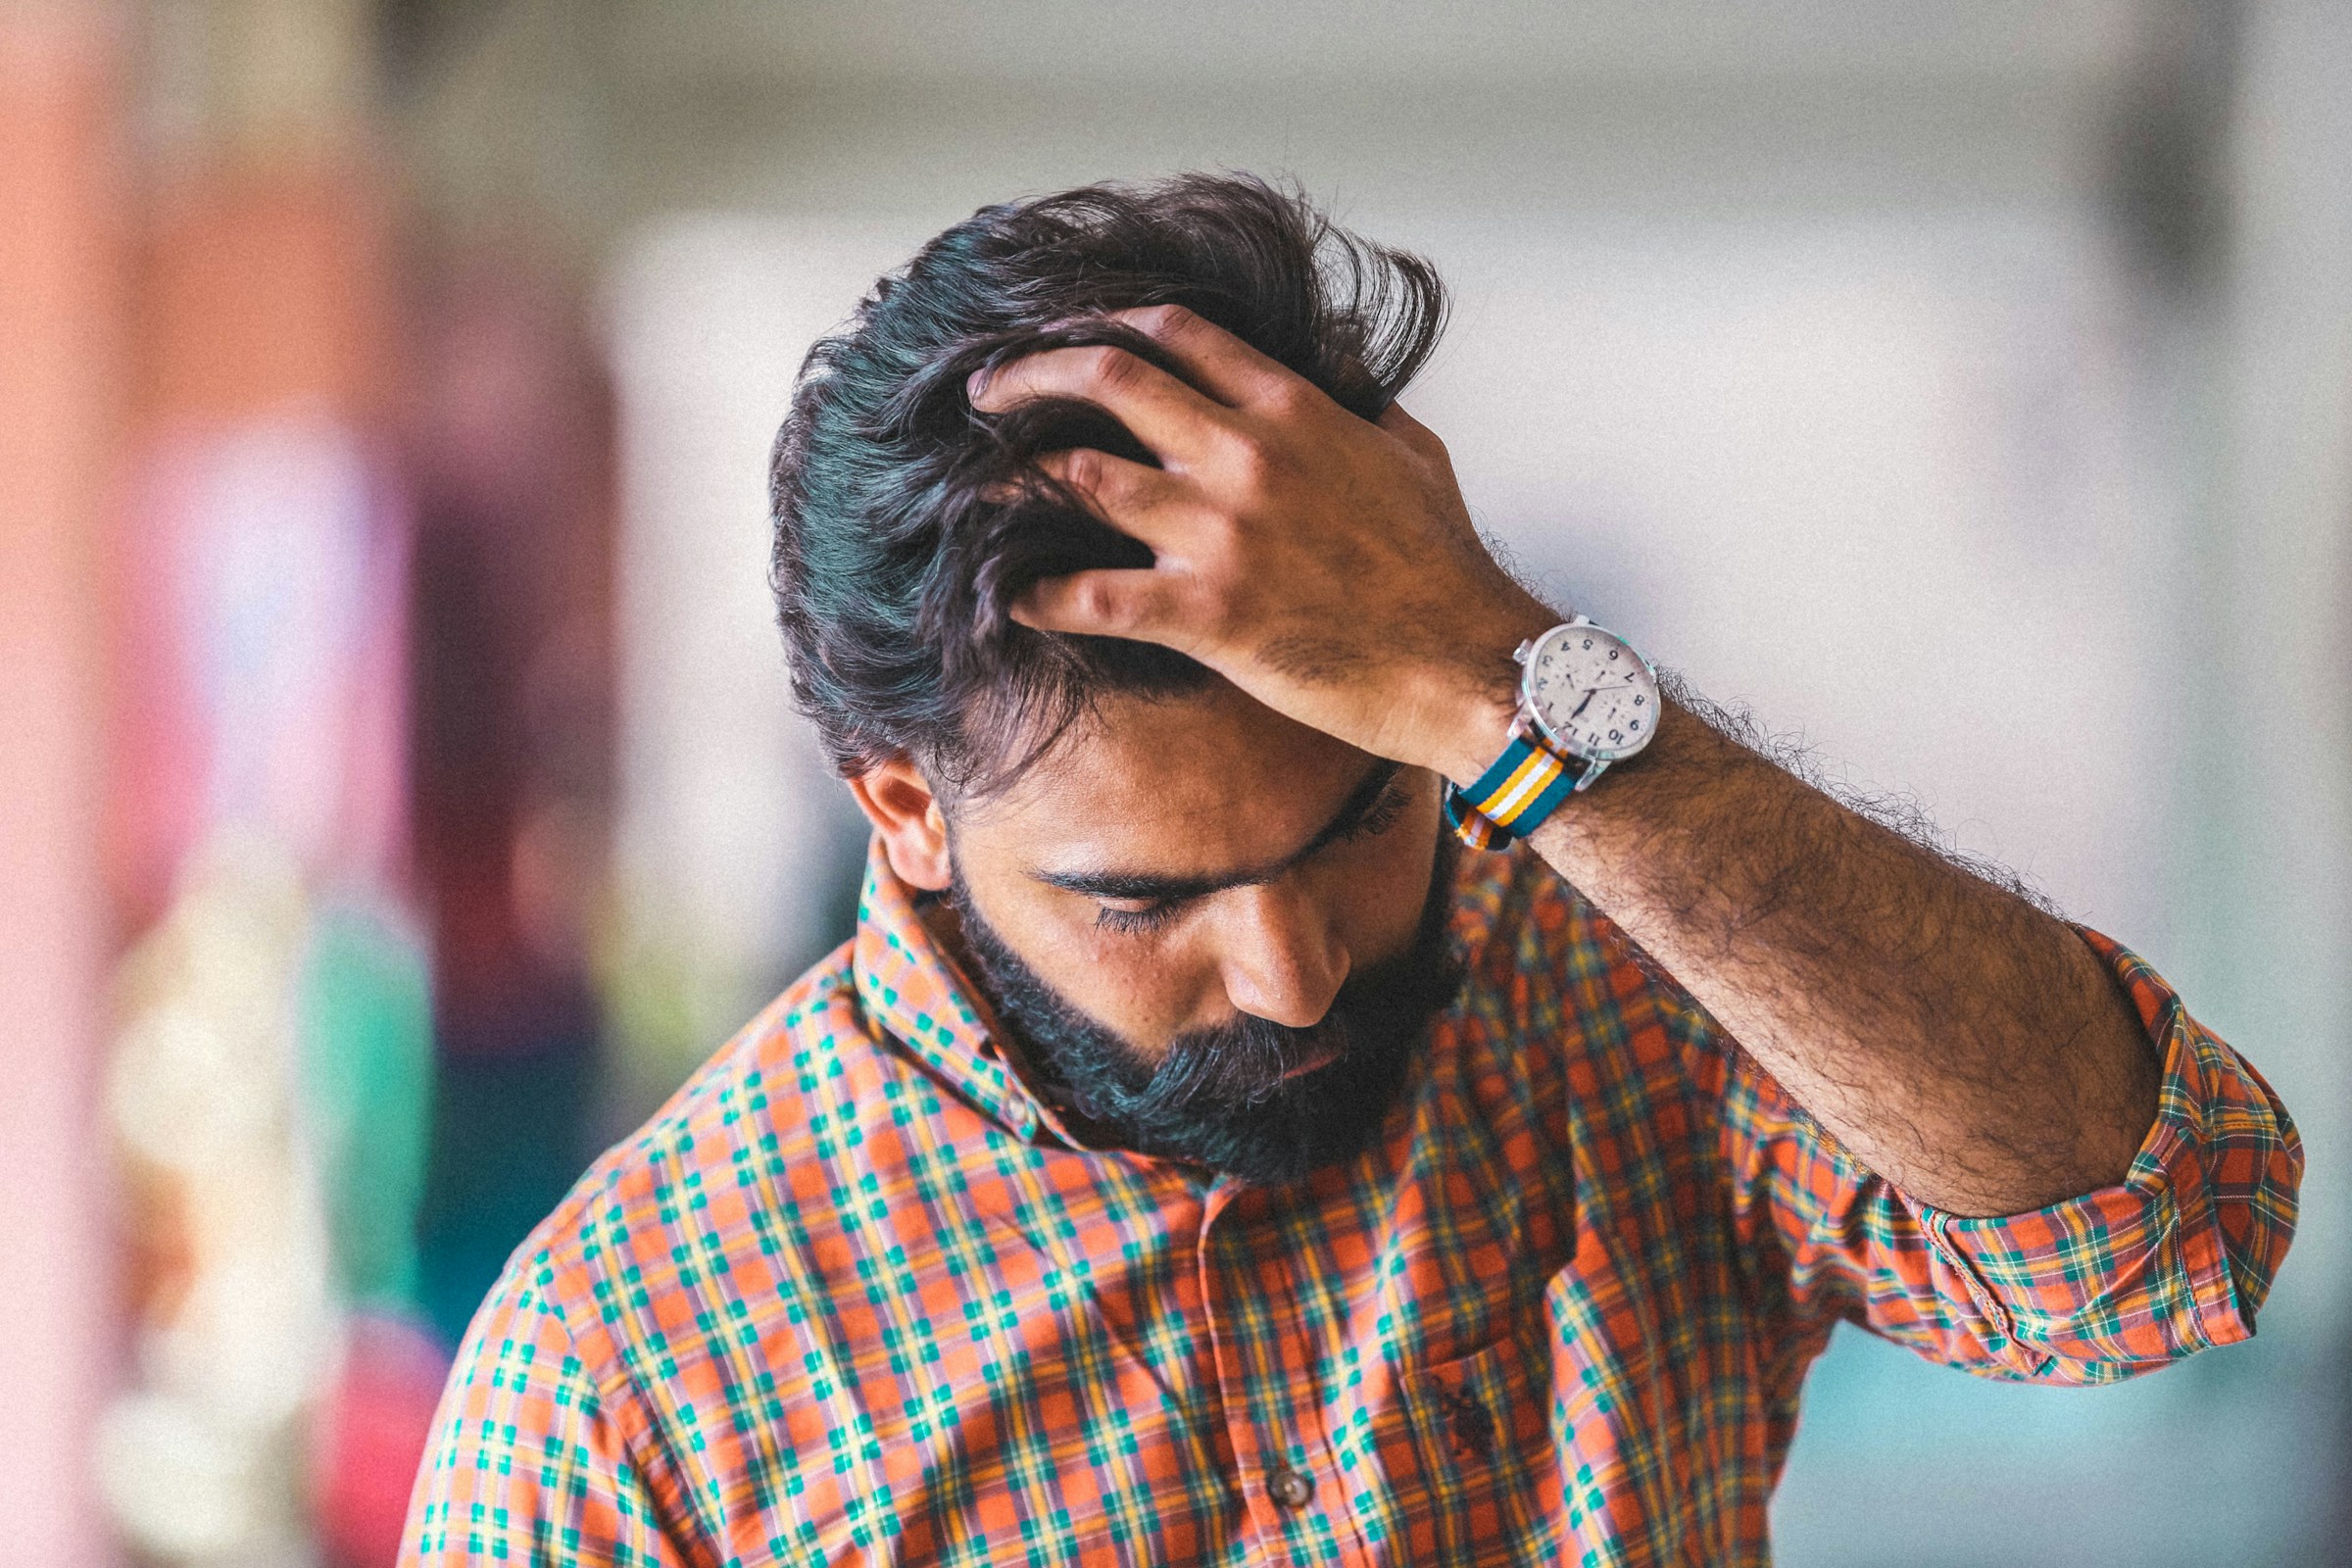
{"x": 1324, "y": 564}
{"x": 1960, "y": 1041}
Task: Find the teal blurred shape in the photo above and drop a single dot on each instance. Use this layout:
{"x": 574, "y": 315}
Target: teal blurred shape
{"x": 366, "y": 1074}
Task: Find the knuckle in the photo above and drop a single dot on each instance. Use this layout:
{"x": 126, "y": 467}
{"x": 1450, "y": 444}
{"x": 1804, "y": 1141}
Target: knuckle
{"x": 1164, "y": 320}
{"x": 1294, "y": 398}
{"x": 1082, "y": 469}
{"x": 1253, "y": 464}
{"x": 1223, "y": 548}
{"x": 1100, "y": 604}
{"x": 1218, "y": 575}
{"x": 1108, "y": 369}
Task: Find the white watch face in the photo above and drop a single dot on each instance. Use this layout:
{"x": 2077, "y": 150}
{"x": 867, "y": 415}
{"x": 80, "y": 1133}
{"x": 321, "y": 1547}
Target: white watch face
{"x": 1592, "y": 693}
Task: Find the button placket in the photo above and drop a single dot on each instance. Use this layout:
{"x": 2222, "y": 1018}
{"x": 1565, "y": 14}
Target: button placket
{"x": 1269, "y": 1344}
{"x": 1276, "y": 1489}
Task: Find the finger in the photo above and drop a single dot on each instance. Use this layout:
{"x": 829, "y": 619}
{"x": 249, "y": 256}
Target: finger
{"x": 1134, "y": 498}
{"x": 1176, "y": 422}
{"x": 1139, "y": 603}
{"x": 1216, "y": 362}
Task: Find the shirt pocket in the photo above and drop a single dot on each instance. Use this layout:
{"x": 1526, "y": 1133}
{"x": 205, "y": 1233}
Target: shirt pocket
{"x": 1472, "y": 1460}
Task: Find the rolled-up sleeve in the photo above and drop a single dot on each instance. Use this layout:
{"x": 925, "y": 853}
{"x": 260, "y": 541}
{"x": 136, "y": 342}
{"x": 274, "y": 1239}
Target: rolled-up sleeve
{"x": 2176, "y": 1257}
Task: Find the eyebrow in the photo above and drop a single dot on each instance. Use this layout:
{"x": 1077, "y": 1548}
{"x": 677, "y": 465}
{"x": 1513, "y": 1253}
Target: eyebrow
{"x": 1146, "y": 886}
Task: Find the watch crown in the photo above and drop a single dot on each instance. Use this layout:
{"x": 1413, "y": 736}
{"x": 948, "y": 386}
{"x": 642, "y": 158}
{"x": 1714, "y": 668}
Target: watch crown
{"x": 1520, "y": 653}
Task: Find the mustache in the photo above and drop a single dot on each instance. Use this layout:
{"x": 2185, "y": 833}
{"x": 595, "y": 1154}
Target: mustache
{"x": 1248, "y": 1060}
{"x": 1242, "y": 1062}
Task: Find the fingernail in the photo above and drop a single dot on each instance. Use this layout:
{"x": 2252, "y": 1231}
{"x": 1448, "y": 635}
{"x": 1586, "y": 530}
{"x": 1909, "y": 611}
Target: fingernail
{"x": 976, "y": 385}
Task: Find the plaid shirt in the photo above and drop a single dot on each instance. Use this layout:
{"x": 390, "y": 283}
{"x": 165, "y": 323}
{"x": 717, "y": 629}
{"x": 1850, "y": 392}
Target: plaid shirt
{"x": 855, "y": 1297}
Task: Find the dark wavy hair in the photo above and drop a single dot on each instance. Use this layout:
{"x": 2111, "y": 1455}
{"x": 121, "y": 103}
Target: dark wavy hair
{"x": 906, "y": 524}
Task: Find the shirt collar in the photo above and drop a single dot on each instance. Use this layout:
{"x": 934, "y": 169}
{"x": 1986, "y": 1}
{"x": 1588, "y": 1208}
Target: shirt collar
{"x": 912, "y": 989}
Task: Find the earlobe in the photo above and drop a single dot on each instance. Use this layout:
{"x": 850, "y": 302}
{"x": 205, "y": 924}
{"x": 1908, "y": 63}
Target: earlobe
{"x": 899, "y": 800}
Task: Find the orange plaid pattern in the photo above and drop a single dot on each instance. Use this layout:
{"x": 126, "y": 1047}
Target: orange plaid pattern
{"x": 855, "y": 1297}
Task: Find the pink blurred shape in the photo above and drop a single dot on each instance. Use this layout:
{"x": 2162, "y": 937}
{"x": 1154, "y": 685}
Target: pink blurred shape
{"x": 373, "y": 1428}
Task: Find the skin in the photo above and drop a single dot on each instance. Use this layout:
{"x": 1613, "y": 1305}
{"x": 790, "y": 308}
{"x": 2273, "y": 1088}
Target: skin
{"x": 1165, "y": 906}
{"x": 1963, "y": 1044}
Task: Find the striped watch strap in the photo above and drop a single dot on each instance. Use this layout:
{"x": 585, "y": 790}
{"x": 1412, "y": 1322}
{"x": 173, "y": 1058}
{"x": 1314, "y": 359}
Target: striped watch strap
{"x": 1513, "y": 798}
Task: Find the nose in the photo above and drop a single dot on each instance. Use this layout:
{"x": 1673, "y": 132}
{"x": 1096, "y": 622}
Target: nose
{"x": 1283, "y": 961}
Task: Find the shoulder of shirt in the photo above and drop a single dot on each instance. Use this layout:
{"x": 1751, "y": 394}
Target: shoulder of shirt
{"x": 626, "y": 1205}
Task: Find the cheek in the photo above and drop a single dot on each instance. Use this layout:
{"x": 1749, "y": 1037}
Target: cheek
{"x": 1144, "y": 988}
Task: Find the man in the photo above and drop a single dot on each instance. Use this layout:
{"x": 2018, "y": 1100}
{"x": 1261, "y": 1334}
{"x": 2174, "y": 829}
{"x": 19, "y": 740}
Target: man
{"x": 1269, "y": 1111}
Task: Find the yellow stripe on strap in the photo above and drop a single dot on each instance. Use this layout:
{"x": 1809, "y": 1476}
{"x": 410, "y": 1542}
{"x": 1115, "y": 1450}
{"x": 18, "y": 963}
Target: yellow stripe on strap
{"x": 1527, "y": 781}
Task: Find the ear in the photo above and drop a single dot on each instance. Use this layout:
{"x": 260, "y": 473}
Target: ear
{"x": 899, "y": 800}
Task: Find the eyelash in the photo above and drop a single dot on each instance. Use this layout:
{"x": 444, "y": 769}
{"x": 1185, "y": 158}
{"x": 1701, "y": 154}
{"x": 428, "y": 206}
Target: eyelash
{"x": 1152, "y": 916}
{"x": 1383, "y": 816}
{"x": 1136, "y": 922}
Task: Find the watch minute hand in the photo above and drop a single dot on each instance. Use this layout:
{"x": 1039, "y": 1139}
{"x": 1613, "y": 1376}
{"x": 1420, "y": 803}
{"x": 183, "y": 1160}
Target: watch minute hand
{"x": 1592, "y": 692}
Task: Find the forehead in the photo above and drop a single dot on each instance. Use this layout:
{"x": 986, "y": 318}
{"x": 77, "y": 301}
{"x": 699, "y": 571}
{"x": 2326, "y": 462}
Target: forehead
{"x": 1202, "y": 781}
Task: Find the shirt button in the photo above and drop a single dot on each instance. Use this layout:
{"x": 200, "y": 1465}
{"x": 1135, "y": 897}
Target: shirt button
{"x": 1291, "y": 1488}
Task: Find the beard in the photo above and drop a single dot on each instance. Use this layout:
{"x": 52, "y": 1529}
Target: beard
{"x": 1221, "y": 1097}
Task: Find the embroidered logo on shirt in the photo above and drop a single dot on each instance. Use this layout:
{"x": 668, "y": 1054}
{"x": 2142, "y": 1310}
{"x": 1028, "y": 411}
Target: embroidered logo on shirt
{"x": 1469, "y": 1429}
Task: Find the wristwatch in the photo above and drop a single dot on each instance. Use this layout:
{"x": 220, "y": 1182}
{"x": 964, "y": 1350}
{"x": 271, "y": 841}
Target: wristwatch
{"x": 1585, "y": 700}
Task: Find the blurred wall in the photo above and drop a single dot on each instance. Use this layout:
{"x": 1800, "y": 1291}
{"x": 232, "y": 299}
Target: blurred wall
{"x": 62, "y": 189}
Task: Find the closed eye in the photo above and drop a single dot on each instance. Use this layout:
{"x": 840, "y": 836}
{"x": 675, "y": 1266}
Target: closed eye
{"x": 1134, "y": 922}
{"x": 1155, "y": 914}
{"x": 1379, "y": 818}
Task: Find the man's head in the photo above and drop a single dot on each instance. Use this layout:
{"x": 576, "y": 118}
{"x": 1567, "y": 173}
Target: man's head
{"x": 1183, "y": 902}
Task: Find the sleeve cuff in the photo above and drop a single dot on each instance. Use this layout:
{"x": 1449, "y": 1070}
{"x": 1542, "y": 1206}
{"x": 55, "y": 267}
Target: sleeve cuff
{"x": 2173, "y": 1259}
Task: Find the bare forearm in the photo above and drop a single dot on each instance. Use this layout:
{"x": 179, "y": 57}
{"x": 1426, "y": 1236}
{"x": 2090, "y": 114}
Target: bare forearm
{"x": 1962, "y": 1043}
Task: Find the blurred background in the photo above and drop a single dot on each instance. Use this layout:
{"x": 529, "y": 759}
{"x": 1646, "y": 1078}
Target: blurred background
{"x": 401, "y": 794}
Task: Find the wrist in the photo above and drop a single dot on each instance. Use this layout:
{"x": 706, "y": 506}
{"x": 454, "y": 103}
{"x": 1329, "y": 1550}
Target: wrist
{"x": 1476, "y": 734}
{"x": 1585, "y": 700}
{"x": 1476, "y": 702}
